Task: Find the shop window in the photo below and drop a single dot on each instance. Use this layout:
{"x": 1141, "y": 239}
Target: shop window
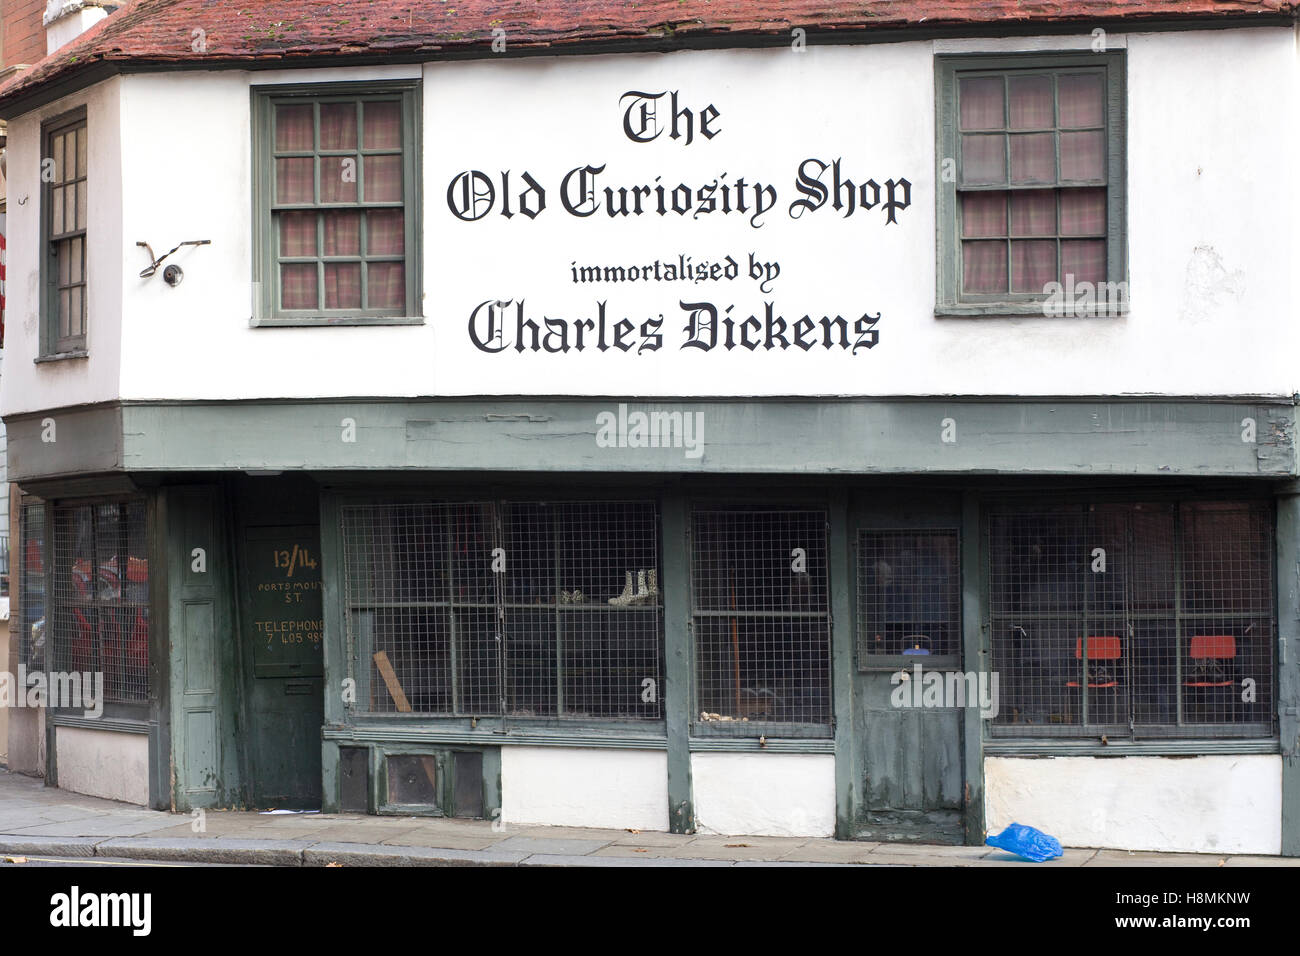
{"x": 1031, "y": 199}
{"x": 1133, "y": 619}
{"x": 337, "y": 203}
{"x": 31, "y": 564}
{"x": 909, "y": 595}
{"x": 523, "y": 609}
{"x": 99, "y": 604}
{"x": 761, "y": 617}
{"x": 64, "y": 180}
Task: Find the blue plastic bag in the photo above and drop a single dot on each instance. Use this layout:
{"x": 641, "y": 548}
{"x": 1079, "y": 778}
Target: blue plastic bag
{"x": 1027, "y": 842}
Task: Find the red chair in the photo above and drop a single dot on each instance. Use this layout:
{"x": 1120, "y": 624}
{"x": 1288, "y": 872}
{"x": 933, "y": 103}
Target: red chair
{"x": 1209, "y": 654}
{"x": 1101, "y": 652}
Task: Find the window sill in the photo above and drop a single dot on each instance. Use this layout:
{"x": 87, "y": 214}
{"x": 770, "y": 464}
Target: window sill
{"x": 1146, "y": 747}
{"x": 61, "y": 356}
{"x": 333, "y": 320}
{"x": 1013, "y": 310}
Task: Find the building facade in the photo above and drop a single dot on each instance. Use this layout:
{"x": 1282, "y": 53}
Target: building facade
{"x": 881, "y": 429}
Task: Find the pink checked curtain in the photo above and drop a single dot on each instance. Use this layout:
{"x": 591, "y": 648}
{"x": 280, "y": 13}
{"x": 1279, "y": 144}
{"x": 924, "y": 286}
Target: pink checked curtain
{"x": 1011, "y": 237}
{"x": 325, "y": 233}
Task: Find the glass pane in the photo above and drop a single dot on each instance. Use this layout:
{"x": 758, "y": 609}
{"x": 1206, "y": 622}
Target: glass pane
{"x": 386, "y": 285}
{"x": 383, "y": 178}
{"x": 1031, "y": 102}
{"x": 56, "y": 154}
{"x": 293, "y": 127}
{"x": 1081, "y": 99}
{"x": 384, "y": 232}
{"x": 981, "y": 102}
{"x": 1033, "y": 265}
{"x": 984, "y": 266}
{"x": 293, "y": 180}
{"x": 338, "y": 179}
{"x": 338, "y": 126}
{"x": 1033, "y": 213}
{"x": 984, "y": 214}
{"x": 983, "y": 160}
{"x": 65, "y": 263}
{"x": 343, "y": 285}
{"x": 297, "y": 233}
{"x": 76, "y": 310}
{"x": 56, "y": 210}
{"x": 81, "y": 153}
{"x": 64, "y": 313}
{"x": 383, "y": 125}
{"x": 81, "y": 206}
{"x": 1084, "y": 259}
{"x": 69, "y": 208}
{"x": 342, "y": 235}
{"x": 75, "y": 268}
{"x": 1083, "y": 156}
{"x": 298, "y": 285}
{"x": 1083, "y": 212}
{"x": 1033, "y": 158}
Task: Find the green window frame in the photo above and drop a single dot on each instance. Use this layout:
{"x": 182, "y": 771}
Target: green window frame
{"x": 64, "y": 196}
{"x": 1084, "y": 299}
{"x": 355, "y": 162}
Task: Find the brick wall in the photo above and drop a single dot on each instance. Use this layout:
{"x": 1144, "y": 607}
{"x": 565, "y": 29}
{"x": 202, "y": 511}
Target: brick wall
{"x": 24, "y": 36}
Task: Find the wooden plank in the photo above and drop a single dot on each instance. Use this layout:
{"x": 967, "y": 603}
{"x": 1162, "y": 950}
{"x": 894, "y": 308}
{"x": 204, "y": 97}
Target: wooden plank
{"x": 390, "y": 679}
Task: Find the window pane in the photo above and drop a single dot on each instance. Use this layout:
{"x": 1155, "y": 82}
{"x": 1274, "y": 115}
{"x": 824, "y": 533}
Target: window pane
{"x": 1033, "y": 213}
{"x": 981, "y": 102}
{"x": 383, "y": 178}
{"x": 81, "y": 152}
{"x": 65, "y": 262}
{"x": 385, "y": 235}
{"x": 343, "y": 285}
{"x": 1083, "y": 212}
{"x": 984, "y": 214}
{"x": 909, "y": 593}
{"x": 1033, "y": 158}
{"x": 338, "y": 179}
{"x": 56, "y": 211}
{"x": 56, "y": 154}
{"x": 294, "y": 127}
{"x": 1033, "y": 265}
{"x": 81, "y": 206}
{"x": 1083, "y": 156}
{"x": 386, "y": 285}
{"x": 342, "y": 233}
{"x": 293, "y": 180}
{"x": 383, "y": 125}
{"x": 297, "y": 233}
{"x": 983, "y": 160}
{"x": 338, "y": 126}
{"x": 1031, "y": 102}
{"x": 984, "y": 267}
{"x": 65, "y": 314}
{"x": 298, "y": 285}
{"x": 1081, "y": 99}
{"x": 74, "y": 254}
{"x": 1085, "y": 260}
{"x": 77, "y": 310}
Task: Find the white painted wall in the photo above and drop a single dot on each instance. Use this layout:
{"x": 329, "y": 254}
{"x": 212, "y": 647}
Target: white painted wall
{"x": 563, "y": 786}
{"x": 25, "y": 385}
{"x": 764, "y": 794}
{"x": 1210, "y": 225}
{"x": 1208, "y": 804}
{"x": 104, "y": 764}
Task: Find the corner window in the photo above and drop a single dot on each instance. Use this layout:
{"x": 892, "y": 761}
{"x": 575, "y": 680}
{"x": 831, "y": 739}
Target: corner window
{"x": 63, "y": 223}
{"x": 336, "y": 196}
{"x": 1131, "y": 620}
{"x": 1031, "y": 185}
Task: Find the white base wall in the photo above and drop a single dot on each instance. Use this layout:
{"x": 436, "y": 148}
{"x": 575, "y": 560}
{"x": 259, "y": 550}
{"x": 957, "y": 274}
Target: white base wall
{"x": 764, "y": 794}
{"x": 103, "y": 764}
{"x": 1210, "y": 804}
{"x": 563, "y": 786}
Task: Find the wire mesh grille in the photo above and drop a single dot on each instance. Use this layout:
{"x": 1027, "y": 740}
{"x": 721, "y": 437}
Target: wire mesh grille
{"x": 760, "y": 609}
{"x": 1136, "y": 618}
{"x": 31, "y": 585}
{"x": 909, "y": 593}
{"x": 100, "y": 600}
{"x": 527, "y": 609}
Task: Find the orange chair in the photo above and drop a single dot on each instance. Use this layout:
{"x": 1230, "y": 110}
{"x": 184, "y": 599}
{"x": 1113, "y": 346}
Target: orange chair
{"x": 1100, "y": 675}
{"x": 1211, "y": 658}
